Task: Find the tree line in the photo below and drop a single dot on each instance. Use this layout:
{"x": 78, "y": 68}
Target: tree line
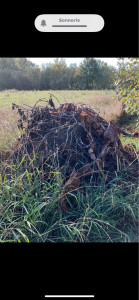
{"x": 22, "y": 74}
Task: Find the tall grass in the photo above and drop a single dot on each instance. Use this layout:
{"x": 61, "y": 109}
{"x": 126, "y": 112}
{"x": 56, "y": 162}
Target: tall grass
{"x": 30, "y": 206}
{"x": 30, "y": 210}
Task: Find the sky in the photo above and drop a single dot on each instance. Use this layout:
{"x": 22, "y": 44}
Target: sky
{"x": 40, "y": 60}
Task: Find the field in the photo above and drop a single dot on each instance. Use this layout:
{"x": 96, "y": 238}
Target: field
{"x": 29, "y": 209}
{"x": 101, "y": 100}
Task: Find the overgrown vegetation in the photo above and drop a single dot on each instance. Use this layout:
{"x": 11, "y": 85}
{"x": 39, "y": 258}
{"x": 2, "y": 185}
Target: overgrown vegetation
{"x": 101, "y": 211}
{"x": 127, "y": 80}
{"x": 30, "y": 211}
{"x": 98, "y": 210}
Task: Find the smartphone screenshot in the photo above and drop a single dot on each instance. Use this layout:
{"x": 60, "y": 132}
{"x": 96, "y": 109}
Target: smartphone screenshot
{"x": 69, "y": 150}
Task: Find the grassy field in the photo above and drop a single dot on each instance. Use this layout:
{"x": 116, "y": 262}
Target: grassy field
{"x": 29, "y": 207}
{"x": 9, "y": 132}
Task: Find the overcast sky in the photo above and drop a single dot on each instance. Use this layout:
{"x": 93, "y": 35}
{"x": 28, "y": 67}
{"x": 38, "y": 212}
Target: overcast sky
{"x": 40, "y": 60}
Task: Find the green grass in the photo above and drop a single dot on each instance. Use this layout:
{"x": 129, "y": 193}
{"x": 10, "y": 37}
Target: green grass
{"x": 30, "y": 207}
{"x": 30, "y": 211}
{"x": 30, "y": 97}
{"x": 129, "y": 140}
{"x": 130, "y": 124}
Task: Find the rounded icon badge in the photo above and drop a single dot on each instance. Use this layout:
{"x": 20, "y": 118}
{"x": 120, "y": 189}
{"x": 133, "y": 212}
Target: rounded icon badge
{"x": 69, "y": 23}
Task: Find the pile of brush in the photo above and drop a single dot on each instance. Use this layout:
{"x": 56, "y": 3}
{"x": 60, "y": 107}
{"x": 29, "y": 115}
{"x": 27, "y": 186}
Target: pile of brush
{"x": 73, "y": 138}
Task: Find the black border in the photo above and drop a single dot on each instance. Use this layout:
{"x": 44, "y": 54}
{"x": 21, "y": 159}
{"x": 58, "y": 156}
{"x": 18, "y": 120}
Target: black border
{"x": 109, "y": 271}
{"x": 118, "y": 38}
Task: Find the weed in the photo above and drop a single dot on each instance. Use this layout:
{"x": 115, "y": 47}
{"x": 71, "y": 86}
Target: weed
{"x": 29, "y": 206}
{"x": 30, "y": 211}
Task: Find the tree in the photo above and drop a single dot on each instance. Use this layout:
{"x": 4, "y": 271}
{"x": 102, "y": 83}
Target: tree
{"x": 127, "y": 79}
{"x": 14, "y": 73}
{"x": 34, "y": 76}
{"x": 105, "y": 76}
{"x": 22, "y": 64}
{"x": 72, "y": 76}
{"x": 7, "y": 63}
{"x": 19, "y": 73}
{"x": 88, "y": 73}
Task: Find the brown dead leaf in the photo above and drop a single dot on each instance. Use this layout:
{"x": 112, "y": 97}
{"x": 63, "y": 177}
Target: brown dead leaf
{"x": 74, "y": 181}
{"x": 62, "y": 203}
{"x": 68, "y": 107}
{"x": 85, "y": 170}
{"x": 72, "y": 184}
{"x": 83, "y": 114}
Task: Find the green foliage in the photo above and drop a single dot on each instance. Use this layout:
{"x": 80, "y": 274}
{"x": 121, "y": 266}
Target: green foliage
{"x": 21, "y": 74}
{"x": 127, "y": 79}
{"x": 88, "y": 72}
{"x": 95, "y": 74}
{"x": 30, "y": 210}
{"x": 14, "y": 73}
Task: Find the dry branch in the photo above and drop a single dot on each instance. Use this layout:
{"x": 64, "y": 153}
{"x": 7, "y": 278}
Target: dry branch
{"x": 74, "y": 138}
